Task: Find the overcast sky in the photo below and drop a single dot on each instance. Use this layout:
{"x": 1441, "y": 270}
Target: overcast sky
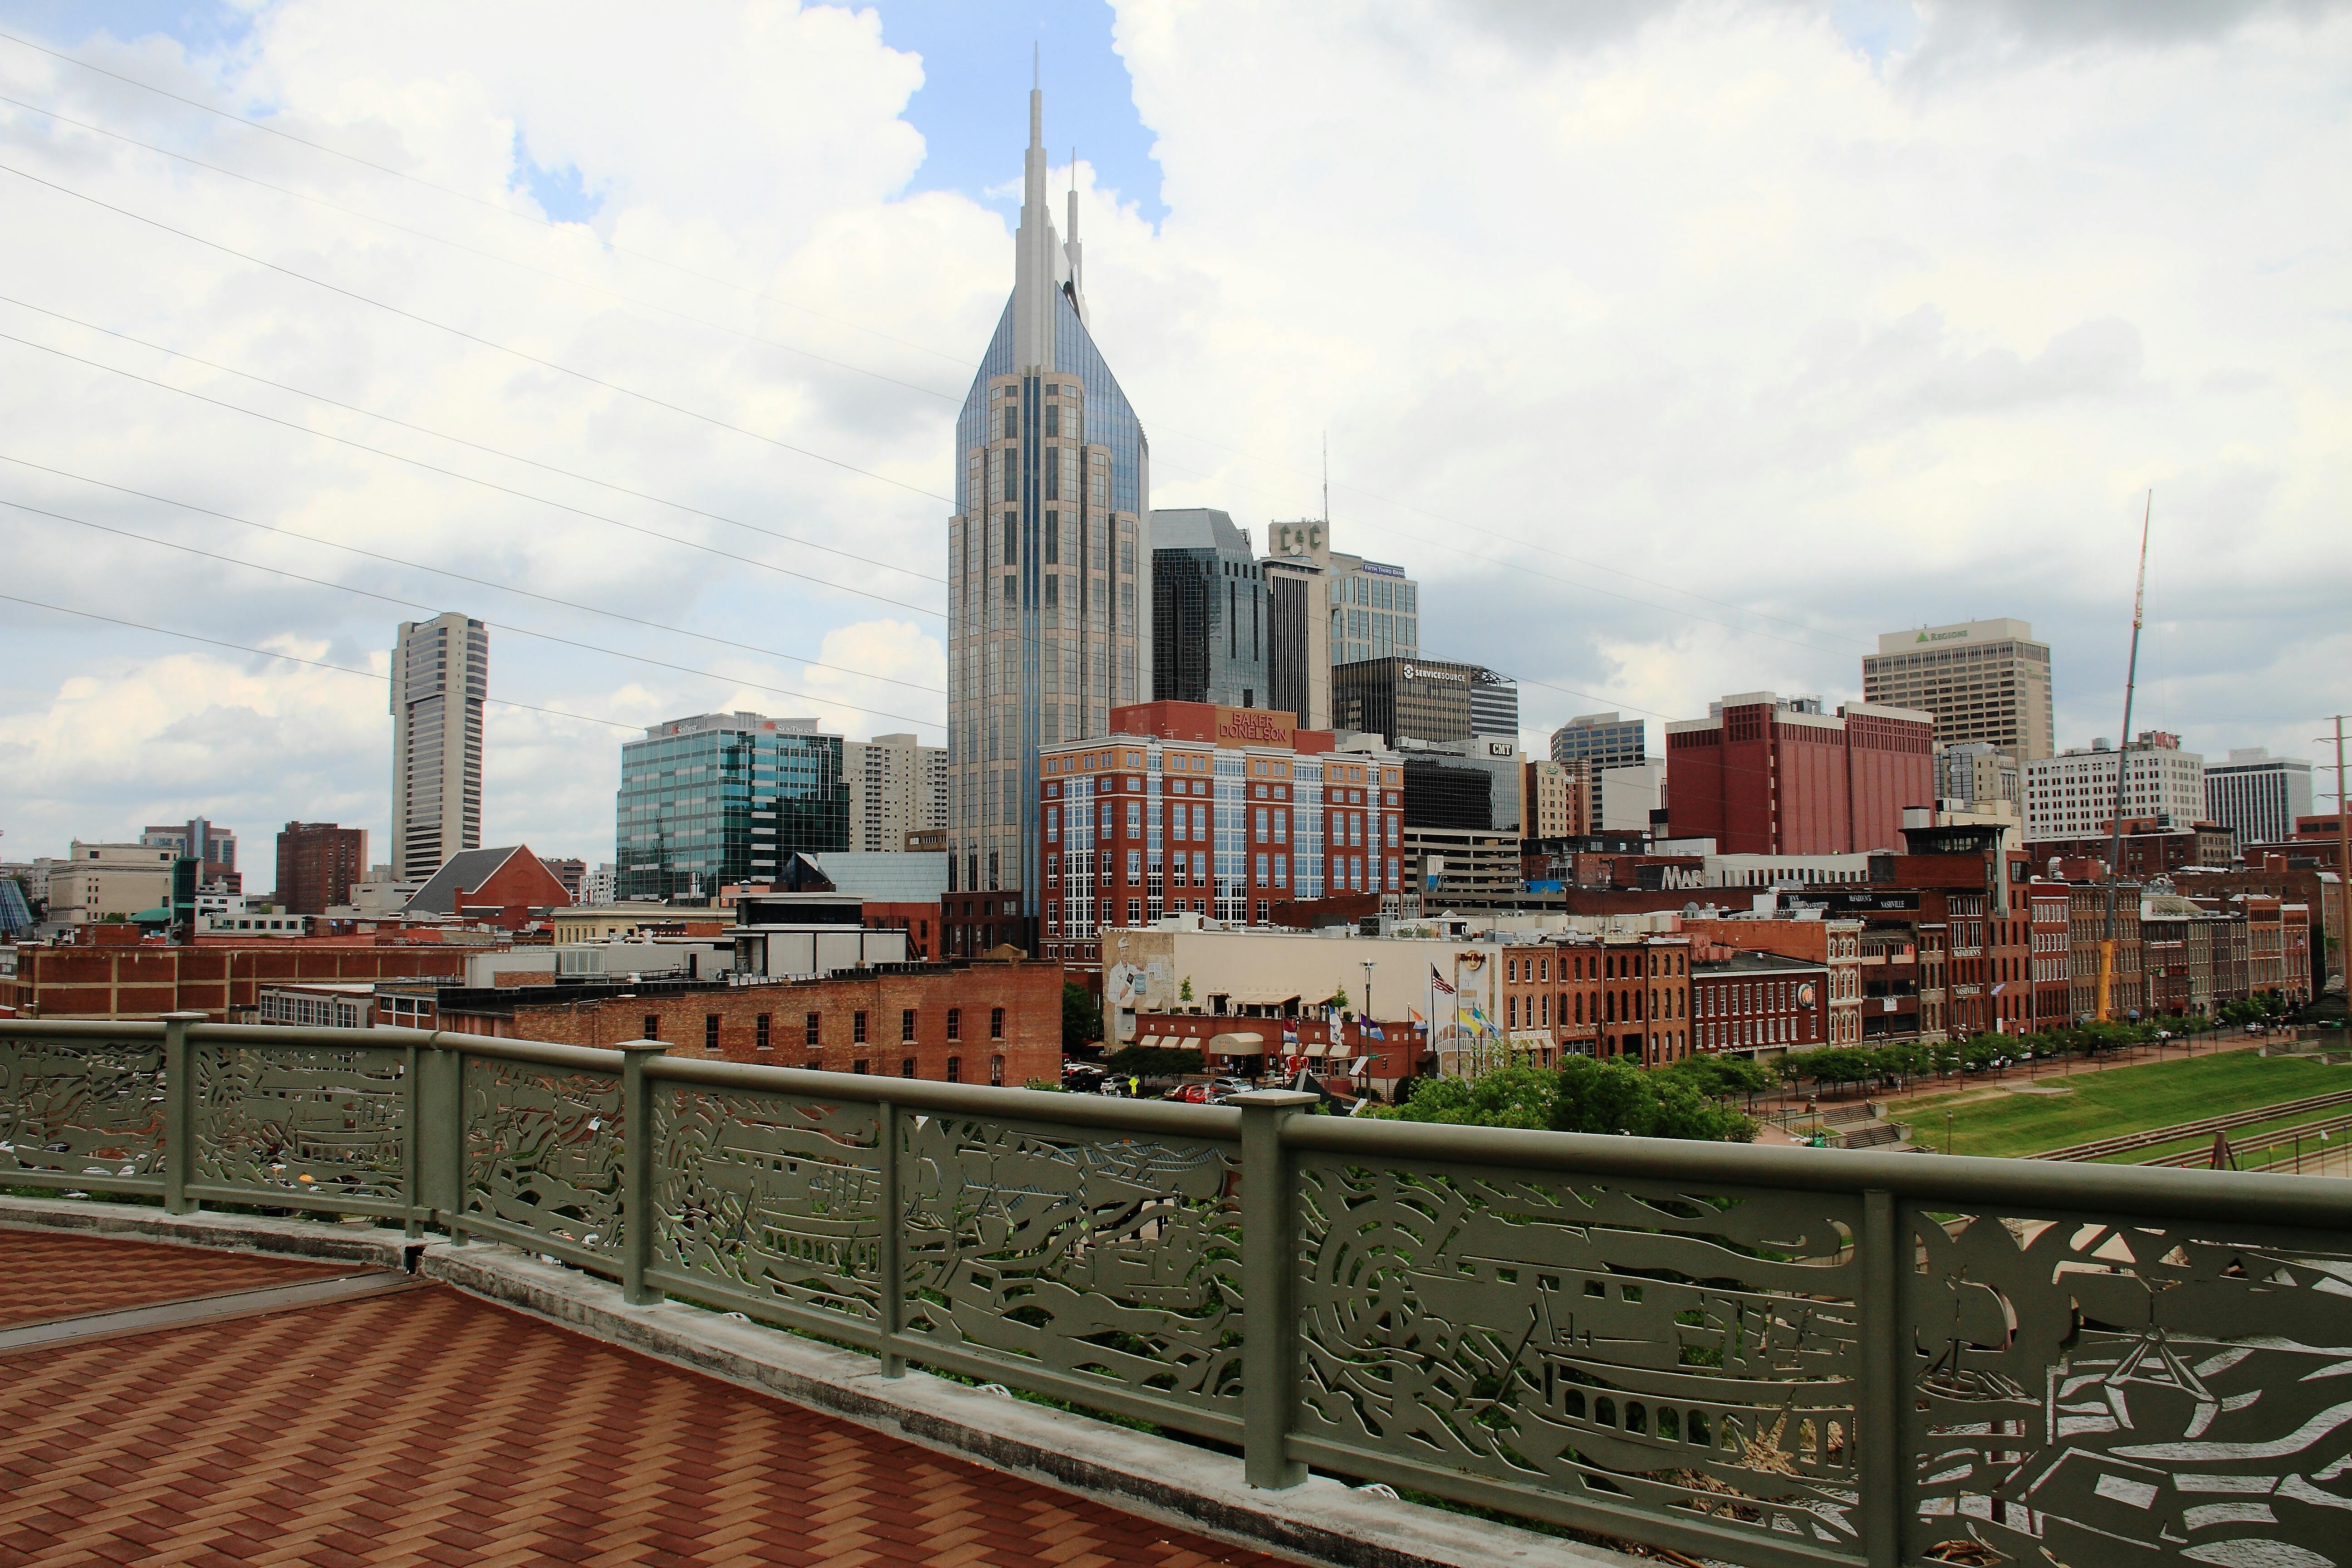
{"x": 1677, "y": 352}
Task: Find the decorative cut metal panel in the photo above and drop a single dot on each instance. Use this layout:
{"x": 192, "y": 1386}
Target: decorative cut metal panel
{"x": 2088, "y": 1392}
{"x": 80, "y": 1108}
{"x": 324, "y": 1121}
{"x": 1095, "y": 1254}
{"x": 770, "y": 1194}
{"x": 1690, "y": 1353}
{"x": 543, "y": 1151}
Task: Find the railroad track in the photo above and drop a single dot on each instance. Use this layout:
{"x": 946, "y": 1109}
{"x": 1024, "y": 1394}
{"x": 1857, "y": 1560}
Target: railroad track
{"x": 2268, "y": 1141}
{"x": 2155, "y": 1135}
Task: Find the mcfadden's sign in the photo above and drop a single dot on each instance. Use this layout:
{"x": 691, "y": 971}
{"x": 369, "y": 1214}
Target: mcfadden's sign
{"x": 1257, "y": 727}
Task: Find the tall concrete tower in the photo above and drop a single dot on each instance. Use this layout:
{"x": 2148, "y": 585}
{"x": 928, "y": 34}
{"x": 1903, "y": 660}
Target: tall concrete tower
{"x": 1049, "y": 560}
{"x": 440, "y": 674}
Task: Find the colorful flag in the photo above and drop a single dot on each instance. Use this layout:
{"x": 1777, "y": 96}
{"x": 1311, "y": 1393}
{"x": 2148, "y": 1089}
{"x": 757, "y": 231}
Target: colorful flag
{"x": 1437, "y": 982}
{"x": 1372, "y": 1032}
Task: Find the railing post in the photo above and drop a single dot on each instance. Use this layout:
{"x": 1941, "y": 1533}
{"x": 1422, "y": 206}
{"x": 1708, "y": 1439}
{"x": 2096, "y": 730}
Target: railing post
{"x": 1884, "y": 1460}
{"x": 412, "y": 1165}
{"x": 449, "y": 1114}
{"x": 179, "y": 1112}
{"x": 889, "y": 1303}
{"x": 1269, "y": 1293}
{"x": 637, "y": 1173}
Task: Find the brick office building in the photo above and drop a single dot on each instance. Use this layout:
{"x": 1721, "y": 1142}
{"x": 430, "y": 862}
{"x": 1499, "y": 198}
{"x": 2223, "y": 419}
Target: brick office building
{"x": 318, "y": 862}
{"x": 985, "y": 1022}
{"x": 1617, "y": 997}
{"x": 122, "y": 977}
{"x": 1834, "y": 945}
{"x": 1758, "y": 1005}
{"x": 1764, "y": 774}
{"x": 1193, "y": 808}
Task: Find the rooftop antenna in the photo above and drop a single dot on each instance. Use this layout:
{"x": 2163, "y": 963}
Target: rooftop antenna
{"x": 2122, "y": 767}
{"x": 1036, "y": 70}
{"x": 1327, "y": 481}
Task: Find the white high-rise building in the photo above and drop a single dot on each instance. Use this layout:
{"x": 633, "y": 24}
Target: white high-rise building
{"x": 1049, "y": 554}
{"x": 1983, "y": 680}
{"x": 2073, "y": 794}
{"x": 895, "y": 787}
{"x": 440, "y": 676}
{"x": 2259, "y": 795}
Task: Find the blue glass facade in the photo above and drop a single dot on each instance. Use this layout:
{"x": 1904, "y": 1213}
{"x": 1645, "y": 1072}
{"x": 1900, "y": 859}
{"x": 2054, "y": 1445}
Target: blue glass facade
{"x": 716, "y": 800}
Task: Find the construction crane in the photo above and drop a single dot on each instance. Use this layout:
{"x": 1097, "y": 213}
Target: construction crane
{"x": 2122, "y": 767}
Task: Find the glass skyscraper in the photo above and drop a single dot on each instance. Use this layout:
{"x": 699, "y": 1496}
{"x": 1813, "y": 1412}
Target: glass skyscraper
{"x": 1210, "y": 617}
{"x": 722, "y": 798}
{"x": 1048, "y": 562}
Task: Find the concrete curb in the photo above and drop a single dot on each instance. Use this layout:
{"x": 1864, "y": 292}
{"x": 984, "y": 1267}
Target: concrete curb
{"x": 1323, "y": 1521}
{"x": 328, "y": 1242}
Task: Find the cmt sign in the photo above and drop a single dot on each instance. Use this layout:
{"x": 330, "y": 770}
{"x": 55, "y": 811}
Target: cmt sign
{"x": 1257, "y": 727}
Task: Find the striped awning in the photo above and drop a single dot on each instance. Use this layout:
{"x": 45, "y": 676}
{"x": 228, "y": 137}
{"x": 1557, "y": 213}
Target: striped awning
{"x": 1239, "y": 1044}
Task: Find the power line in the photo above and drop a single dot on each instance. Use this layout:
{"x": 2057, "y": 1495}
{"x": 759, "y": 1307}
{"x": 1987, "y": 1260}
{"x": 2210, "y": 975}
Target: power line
{"x": 617, "y": 248}
{"x": 472, "y": 479}
{"x": 290, "y": 658}
{"x": 484, "y": 255}
{"x": 1440, "y": 517}
{"x": 730, "y": 643}
{"x": 461, "y": 441}
{"x": 710, "y": 419}
{"x": 501, "y": 626}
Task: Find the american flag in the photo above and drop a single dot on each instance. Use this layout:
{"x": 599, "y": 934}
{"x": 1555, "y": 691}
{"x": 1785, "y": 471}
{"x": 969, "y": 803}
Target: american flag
{"x": 1437, "y": 982}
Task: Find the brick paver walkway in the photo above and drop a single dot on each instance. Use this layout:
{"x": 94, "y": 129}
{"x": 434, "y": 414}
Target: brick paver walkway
{"x": 43, "y": 1276}
{"x": 432, "y": 1428}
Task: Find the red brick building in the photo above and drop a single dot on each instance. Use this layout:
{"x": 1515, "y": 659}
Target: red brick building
{"x": 983, "y": 1022}
{"x": 1767, "y": 775}
{"x": 127, "y": 978}
{"x": 1192, "y": 807}
{"x": 1756, "y": 1004}
{"x": 318, "y": 862}
{"x": 508, "y": 888}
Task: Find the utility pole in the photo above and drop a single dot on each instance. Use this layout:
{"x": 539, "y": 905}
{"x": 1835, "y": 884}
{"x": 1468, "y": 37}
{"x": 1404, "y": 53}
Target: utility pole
{"x": 2123, "y": 769}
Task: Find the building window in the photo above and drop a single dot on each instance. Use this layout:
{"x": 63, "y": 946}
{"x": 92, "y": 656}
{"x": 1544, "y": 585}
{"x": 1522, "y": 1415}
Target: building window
{"x": 907, "y": 1023}
{"x": 857, "y": 1029}
{"x": 906, "y": 1067}
{"x": 710, "y": 1033}
{"x": 760, "y": 1031}
{"x": 859, "y": 1066}
{"x": 653, "y": 1028}
{"x": 996, "y": 1023}
{"x": 955, "y": 1069}
{"x": 996, "y": 1071}
{"x": 955, "y": 1023}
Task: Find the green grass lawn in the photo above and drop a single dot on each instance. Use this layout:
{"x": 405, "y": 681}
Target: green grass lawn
{"x": 2122, "y": 1100}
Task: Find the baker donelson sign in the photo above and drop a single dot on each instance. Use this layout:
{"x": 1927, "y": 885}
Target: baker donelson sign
{"x": 1255, "y": 726}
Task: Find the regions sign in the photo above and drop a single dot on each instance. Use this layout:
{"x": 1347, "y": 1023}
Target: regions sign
{"x": 1257, "y": 727}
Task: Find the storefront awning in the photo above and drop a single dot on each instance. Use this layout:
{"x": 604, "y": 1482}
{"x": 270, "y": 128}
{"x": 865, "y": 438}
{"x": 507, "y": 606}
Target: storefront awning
{"x": 1237, "y": 1045}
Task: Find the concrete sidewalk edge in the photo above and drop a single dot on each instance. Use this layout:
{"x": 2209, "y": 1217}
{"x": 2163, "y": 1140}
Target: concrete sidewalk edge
{"x": 1323, "y": 1521}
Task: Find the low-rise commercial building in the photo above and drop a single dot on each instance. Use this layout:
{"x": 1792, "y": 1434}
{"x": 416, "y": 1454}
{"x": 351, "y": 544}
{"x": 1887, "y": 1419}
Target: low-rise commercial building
{"x": 96, "y": 882}
{"x": 984, "y": 1023}
{"x": 1758, "y": 1005}
{"x": 2072, "y": 795}
{"x": 222, "y": 977}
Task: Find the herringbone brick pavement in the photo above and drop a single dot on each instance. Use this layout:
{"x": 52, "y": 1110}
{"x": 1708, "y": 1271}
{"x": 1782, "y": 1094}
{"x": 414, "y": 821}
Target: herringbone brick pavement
{"x": 48, "y": 1276}
{"x": 433, "y": 1428}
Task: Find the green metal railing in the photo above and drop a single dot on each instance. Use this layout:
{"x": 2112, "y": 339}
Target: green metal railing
{"x": 1771, "y": 1356}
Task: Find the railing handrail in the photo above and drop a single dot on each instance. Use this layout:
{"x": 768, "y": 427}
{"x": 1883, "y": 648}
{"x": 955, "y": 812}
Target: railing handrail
{"x": 1314, "y": 1289}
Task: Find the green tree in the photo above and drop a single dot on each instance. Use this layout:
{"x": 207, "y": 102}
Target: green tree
{"x": 1154, "y": 1061}
{"x": 1515, "y": 1095}
{"x": 1338, "y": 1000}
{"x": 1081, "y": 1019}
{"x": 1184, "y": 992}
{"x": 1723, "y": 1078}
{"x": 1617, "y": 1096}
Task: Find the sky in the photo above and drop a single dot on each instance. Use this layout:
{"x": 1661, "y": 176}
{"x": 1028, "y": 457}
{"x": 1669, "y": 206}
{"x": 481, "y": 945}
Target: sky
{"x": 1677, "y": 348}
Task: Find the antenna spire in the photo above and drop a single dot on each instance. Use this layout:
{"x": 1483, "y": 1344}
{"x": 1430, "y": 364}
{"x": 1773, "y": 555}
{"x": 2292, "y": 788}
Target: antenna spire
{"x": 1327, "y": 479}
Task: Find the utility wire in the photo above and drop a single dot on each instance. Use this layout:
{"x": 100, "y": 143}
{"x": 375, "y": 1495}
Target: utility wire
{"x": 710, "y": 419}
{"x": 484, "y": 255}
{"x": 470, "y": 478}
{"x": 421, "y": 605}
{"x": 252, "y": 124}
{"x": 1435, "y": 516}
{"x": 730, "y": 643}
{"x": 461, "y": 441}
{"x": 290, "y": 658}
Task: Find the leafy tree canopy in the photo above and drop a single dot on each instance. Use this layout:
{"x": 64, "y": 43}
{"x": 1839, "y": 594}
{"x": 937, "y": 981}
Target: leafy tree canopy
{"x": 1154, "y": 1061}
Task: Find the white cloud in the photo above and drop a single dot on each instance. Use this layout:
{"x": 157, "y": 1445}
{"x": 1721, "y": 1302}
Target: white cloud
{"x": 1707, "y": 295}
